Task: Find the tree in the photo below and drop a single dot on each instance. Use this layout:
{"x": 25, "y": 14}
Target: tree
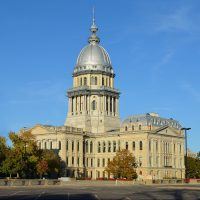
{"x": 3, "y": 149}
{"x": 193, "y": 169}
{"x": 123, "y": 165}
{"x": 42, "y": 167}
{"x": 3, "y": 153}
{"x": 53, "y": 161}
{"x": 24, "y": 158}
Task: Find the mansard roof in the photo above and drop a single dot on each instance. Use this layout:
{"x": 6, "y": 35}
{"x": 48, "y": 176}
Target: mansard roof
{"x": 152, "y": 119}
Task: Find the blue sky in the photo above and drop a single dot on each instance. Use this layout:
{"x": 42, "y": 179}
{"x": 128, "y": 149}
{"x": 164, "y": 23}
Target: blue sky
{"x": 154, "y": 47}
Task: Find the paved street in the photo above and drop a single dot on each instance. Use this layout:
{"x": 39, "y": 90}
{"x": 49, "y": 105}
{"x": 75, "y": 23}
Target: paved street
{"x": 80, "y": 192}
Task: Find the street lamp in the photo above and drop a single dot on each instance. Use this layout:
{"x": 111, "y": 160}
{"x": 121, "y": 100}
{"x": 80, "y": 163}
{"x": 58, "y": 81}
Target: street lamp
{"x": 186, "y": 153}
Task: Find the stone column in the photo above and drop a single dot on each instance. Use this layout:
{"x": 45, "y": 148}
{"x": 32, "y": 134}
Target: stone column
{"x": 113, "y": 106}
{"x": 117, "y": 106}
{"x": 63, "y": 150}
{"x": 69, "y": 106}
{"x": 108, "y": 105}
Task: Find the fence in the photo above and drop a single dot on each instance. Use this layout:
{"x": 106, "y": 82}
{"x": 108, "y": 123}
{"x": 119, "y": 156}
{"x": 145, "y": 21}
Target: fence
{"x": 51, "y": 182}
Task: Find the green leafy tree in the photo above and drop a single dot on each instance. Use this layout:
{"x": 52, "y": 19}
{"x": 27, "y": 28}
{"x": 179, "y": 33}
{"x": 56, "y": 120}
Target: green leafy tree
{"x": 193, "y": 169}
{"x": 3, "y": 149}
{"x": 53, "y": 161}
{"x": 24, "y": 158}
{"x": 123, "y": 165}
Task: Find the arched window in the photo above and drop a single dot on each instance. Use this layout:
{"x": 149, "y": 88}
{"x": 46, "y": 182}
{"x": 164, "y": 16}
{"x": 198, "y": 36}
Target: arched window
{"x": 104, "y": 147}
{"x": 91, "y": 147}
{"x": 133, "y": 145}
{"x": 95, "y": 80}
{"x": 114, "y": 146}
{"x": 109, "y": 146}
{"x": 126, "y": 128}
{"x": 93, "y": 105}
{"x": 85, "y": 81}
{"x": 99, "y": 147}
{"x": 140, "y": 127}
{"x": 86, "y": 146}
{"x": 59, "y": 145}
{"x": 141, "y": 146}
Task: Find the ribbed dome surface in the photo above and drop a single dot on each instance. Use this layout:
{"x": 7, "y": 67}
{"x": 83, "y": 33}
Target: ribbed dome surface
{"x": 93, "y": 54}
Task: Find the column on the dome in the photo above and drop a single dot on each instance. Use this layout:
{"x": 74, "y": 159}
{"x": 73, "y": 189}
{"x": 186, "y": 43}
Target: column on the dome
{"x": 75, "y": 104}
{"x": 84, "y": 107}
{"x": 117, "y": 107}
{"x": 69, "y": 105}
{"x": 104, "y": 104}
{"x": 86, "y": 104}
{"x": 108, "y": 105}
{"x": 112, "y": 105}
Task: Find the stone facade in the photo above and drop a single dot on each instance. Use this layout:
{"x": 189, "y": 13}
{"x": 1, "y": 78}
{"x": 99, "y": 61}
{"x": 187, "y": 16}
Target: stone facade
{"x": 93, "y": 133}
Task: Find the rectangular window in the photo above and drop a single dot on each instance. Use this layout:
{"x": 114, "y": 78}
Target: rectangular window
{"x": 91, "y": 162}
{"x": 72, "y": 160}
{"x": 78, "y": 146}
{"x": 78, "y": 161}
{"x": 98, "y": 162}
{"x": 67, "y": 162}
{"x": 150, "y": 161}
{"x": 126, "y": 145}
{"x": 133, "y": 145}
{"x": 103, "y": 162}
{"x": 114, "y": 146}
{"x": 72, "y": 145}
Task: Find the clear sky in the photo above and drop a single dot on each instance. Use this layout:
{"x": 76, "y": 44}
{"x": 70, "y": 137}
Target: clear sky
{"x": 154, "y": 48}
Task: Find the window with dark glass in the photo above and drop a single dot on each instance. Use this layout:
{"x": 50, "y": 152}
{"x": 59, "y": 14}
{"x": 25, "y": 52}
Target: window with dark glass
{"x": 85, "y": 81}
{"x": 104, "y": 147}
{"x": 86, "y": 146}
{"x": 141, "y": 146}
{"x": 114, "y": 146}
{"x": 109, "y": 146}
{"x": 126, "y": 145}
{"x": 91, "y": 147}
{"x": 99, "y": 147}
{"x": 59, "y": 145}
{"x": 93, "y": 105}
{"x": 133, "y": 145}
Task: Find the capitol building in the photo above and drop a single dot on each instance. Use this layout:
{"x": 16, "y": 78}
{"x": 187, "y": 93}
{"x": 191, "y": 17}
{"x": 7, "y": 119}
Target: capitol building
{"x": 93, "y": 131}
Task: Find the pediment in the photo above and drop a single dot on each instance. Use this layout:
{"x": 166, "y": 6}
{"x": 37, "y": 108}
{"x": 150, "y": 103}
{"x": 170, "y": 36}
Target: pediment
{"x": 39, "y": 130}
{"x": 168, "y": 131}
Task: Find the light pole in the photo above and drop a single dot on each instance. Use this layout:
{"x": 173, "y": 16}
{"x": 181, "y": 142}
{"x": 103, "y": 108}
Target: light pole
{"x": 186, "y": 153}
